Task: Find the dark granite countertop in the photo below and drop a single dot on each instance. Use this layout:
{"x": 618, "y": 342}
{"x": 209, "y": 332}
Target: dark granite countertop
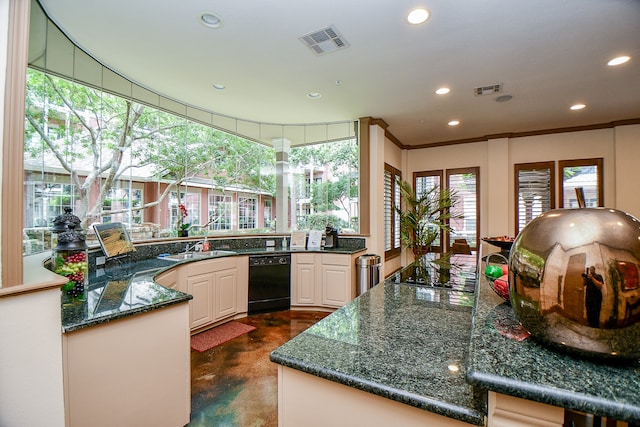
{"x": 400, "y": 341}
{"x": 503, "y": 360}
{"x": 125, "y": 287}
{"x": 121, "y": 291}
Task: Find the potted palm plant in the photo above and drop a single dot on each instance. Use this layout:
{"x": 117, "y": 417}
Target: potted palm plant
{"x": 423, "y": 217}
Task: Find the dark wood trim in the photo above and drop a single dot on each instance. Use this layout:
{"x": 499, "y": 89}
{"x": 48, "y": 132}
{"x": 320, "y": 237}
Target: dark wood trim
{"x": 597, "y": 126}
{"x": 13, "y": 142}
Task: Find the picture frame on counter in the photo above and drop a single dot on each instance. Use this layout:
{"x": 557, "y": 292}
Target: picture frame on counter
{"x": 298, "y": 240}
{"x": 315, "y": 240}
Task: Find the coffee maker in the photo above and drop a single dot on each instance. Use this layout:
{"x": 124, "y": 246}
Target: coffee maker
{"x": 331, "y": 237}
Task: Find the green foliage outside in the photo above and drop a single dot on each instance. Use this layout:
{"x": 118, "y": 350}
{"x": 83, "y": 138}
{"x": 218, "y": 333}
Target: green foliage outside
{"x": 101, "y": 140}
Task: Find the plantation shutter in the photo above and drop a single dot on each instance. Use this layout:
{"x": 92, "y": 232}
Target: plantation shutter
{"x": 534, "y": 183}
{"x": 391, "y": 220}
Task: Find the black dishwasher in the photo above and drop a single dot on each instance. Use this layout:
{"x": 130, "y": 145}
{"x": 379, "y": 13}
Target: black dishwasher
{"x": 269, "y": 283}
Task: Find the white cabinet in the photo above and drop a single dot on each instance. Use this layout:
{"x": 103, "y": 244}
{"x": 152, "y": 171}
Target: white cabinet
{"x": 200, "y": 286}
{"x": 338, "y": 285}
{"x": 225, "y": 285}
{"x": 304, "y": 273}
{"x": 322, "y": 280}
{"x": 219, "y": 288}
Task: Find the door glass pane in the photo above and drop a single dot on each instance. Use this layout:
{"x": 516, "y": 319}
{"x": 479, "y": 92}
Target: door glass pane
{"x": 424, "y": 182}
{"x": 585, "y": 176}
{"x": 464, "y": 222}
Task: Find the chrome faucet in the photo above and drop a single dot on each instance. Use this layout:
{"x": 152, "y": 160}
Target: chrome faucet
{"x": 196, "y": 247}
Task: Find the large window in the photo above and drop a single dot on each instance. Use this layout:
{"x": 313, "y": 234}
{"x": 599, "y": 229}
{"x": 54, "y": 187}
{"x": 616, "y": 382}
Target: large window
{"x": 117, "y": 154}
{"x": 392, "y": 245}
{"x": 324, "y": 186}
{"x": 535, "y": 184}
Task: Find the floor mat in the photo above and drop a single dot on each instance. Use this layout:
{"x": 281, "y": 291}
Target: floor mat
{"x": 220, "y": 334}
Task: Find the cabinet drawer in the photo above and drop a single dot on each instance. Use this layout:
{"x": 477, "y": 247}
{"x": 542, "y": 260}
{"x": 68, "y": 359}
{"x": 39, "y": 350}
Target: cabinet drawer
{"x": 304, "y": 258}
{"x": 209, "y": 265}
{"x": 334, "y": 259}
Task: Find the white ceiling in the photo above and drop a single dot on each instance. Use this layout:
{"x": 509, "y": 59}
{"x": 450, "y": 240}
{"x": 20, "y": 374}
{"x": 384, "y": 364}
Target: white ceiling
{"x": 547, "y": 54}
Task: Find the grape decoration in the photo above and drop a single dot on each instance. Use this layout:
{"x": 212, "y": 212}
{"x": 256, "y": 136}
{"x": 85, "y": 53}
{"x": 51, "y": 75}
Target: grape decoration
{"x": 73, "y": 265}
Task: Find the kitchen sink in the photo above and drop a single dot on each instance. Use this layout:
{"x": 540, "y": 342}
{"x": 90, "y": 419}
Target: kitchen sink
{"x": 196, "y": 255}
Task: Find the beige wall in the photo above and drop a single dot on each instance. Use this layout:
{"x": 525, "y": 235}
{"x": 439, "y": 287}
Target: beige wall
{"x": 619, "y": 147}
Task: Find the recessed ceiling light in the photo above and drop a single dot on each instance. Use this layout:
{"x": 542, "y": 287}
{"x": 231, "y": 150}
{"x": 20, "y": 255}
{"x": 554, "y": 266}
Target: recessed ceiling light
{"x": 443, "y": 91}
{"x": 219, "y": 86}
{"x": 211, "y": 20}
{"x": 418, "y": 16}
{"x": 314, "y": 95}
{"x": 454, "y": 123}
{"x": 577, "y": 106}
{"x": 619, "y": 60}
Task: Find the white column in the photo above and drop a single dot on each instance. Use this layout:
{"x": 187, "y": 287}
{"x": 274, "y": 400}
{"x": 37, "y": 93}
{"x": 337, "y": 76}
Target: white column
{"x": 282, "y": 147}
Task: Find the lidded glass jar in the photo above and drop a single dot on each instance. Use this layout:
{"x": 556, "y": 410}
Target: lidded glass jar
{"x": 61, "y": 224}
{"x": 70, "y": 259}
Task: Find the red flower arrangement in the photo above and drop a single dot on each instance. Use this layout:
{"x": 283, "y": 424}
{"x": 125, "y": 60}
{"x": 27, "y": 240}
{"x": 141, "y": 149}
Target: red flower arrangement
{"x": 181, "y": 216}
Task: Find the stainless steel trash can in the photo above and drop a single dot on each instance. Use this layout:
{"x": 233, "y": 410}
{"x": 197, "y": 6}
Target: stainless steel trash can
{"x": 368, "y": 272}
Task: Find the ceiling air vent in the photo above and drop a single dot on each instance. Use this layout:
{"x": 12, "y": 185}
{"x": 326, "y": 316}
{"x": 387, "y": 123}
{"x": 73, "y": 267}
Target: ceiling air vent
{"x": 324, "y": 41}
{"x": 488, "y": 90}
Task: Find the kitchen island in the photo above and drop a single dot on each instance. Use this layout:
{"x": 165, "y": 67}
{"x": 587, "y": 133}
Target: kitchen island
{"x": 393, "y": 356}
{"x": 417, "y": 354}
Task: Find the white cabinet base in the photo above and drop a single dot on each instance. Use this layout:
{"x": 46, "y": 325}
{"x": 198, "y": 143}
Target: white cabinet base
{"x": 508, "y": 411}
{"x": 310, "y": 401}
{"x": 134, "y": 371}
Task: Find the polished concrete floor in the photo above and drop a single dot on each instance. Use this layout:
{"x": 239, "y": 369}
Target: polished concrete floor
{"x": 235, "y": 384}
